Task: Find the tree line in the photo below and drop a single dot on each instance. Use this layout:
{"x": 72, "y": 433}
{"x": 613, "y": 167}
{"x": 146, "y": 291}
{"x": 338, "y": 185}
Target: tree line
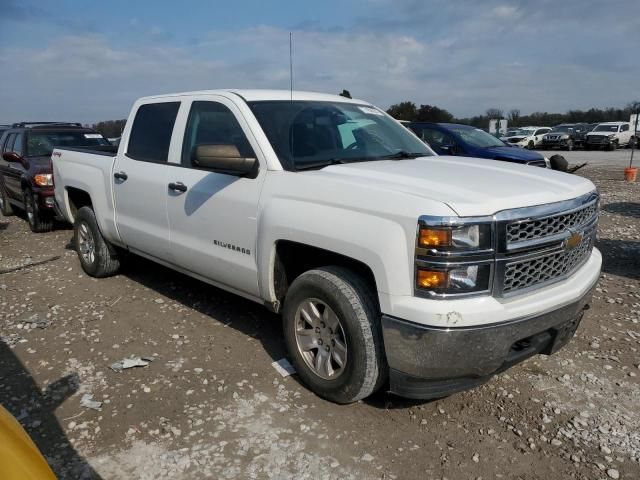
{"x": 430, "y": 113}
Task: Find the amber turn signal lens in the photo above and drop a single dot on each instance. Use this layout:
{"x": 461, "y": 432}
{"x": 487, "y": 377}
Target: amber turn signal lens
{"x": 432, "y": 279}
{"x": 43, "y": 180}
{"x": 435, "y": 237}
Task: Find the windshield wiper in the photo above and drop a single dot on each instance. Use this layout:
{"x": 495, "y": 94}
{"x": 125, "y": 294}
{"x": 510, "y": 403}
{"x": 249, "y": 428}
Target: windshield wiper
{"x": 331, "y": 161}
{"x": 401, "y": 155}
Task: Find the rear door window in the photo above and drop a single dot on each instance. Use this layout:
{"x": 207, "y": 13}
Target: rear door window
{"x": 151, "y": 132}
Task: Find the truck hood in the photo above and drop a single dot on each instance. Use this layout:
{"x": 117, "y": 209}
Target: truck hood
{"x": 512, "y": 154}
{"x": 469, "y": 186}
{"x": 600, "y": 134}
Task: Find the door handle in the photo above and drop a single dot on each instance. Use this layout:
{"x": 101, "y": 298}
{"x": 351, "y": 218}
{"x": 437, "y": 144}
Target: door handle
{"x": 178, "y": 187}
{"x": 120, "y": 176}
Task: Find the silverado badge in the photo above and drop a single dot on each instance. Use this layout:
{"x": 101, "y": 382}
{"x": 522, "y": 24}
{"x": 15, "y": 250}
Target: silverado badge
{"x": 573, "y": 240}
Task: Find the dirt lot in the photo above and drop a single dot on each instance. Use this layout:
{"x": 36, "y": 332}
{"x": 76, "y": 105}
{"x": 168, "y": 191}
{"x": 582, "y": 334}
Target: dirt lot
{"x": 210, "y": 405}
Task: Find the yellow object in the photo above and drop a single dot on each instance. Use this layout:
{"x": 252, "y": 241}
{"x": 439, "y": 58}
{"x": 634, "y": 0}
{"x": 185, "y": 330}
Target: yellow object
{"x": 20, "y": 459}
{"x": 432, "y": 278}
{"x": 435, "y": 237}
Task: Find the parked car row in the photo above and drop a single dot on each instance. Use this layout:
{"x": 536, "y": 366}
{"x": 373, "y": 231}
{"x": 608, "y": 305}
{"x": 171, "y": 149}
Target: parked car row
{"x": 567, "y": 136}
{"x": 392, "y": 267}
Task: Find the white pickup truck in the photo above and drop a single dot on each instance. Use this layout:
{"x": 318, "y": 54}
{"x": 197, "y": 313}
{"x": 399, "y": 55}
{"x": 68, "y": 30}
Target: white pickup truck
{"x": 391, "y": 266}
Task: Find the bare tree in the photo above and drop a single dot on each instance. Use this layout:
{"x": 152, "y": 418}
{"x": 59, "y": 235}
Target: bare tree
{"x": 494, "y": 113}
{"x": 514, "y": 116}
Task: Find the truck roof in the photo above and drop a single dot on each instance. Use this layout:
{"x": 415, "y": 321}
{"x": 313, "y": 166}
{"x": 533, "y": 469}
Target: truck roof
{"x": 612, "y": 123}
{"x": 253, "y": 95}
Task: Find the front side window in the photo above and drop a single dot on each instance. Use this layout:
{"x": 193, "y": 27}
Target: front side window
{"x": 624, "y": 128}
{"x": 17, "y": 143}
{"x": 42, "y": 143}
{"x": 151, "y": 132}
{"x": 8, "y": 146}
{"x": 212, "y": 123}
{"x": 314, "y": 134}
{"x": 434, "y": 137}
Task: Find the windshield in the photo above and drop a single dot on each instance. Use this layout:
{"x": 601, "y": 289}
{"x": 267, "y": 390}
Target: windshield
{"x": 562, "y": 128}
{"x": 313, "y": 134}
{"x": 524, "y": 132}
{"x": 40, "y": 144}
{"x": 606, "y": 128}
{"x": 477, "y": 138}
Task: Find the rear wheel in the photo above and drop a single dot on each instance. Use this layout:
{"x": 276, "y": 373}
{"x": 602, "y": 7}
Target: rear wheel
{"x": 332, "y": 331}
{"x": 39, "y": 221}
{"x": 5, "y": 207}
{"x": 97, "y": 257}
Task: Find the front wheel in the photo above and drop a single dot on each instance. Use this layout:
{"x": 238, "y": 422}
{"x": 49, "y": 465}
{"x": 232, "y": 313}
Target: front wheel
{"x": 570, "y": 145}
{"x": 39, "y": 221}
{"x": 97, "y": 257}
{"x": 530, "y": 145}
{"x": 613, "y": 145}
{"x": 332, "y": 331}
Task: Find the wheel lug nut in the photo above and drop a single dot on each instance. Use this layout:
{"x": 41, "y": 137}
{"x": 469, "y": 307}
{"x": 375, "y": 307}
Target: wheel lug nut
{"x": 317, "y": 330}
{"x": 320, "y": 342}
{"x": 327, "y": 348}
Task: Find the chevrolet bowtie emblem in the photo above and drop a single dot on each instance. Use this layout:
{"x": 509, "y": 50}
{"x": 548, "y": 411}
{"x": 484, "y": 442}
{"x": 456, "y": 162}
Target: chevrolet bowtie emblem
{"x": 573, "y": 241}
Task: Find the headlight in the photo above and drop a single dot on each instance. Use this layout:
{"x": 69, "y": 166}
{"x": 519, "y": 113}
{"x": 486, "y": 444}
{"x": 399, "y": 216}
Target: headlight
{"x": 453, "y": 280}
{"x": 613, "y": 135}
{"x": 564, "y": 137}
{"x": 455, "y": 238}
{"x": 43, "y": 179}
{"x": 454, "y": 256}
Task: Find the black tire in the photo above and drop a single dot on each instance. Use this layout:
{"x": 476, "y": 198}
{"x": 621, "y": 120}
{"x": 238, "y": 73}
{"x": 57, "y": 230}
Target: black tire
{"x": 569, "y": 147}
{"x": 587, "y": 146}
{"x": 5, "y": 207}
{"x": 355, "y": 306}
{"x": 39, "y": 221}
{"x": 613, "y": 145}
{"x": 104, "y": 262}
{"x": 530, "y": 145}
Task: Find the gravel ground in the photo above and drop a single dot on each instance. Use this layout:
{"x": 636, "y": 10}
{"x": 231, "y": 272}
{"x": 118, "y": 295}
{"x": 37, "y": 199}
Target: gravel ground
{"x": 210, "y": 405}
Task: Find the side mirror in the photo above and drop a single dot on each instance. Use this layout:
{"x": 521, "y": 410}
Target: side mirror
{"x": 448, "y": 149}
{"x": 224, "y": 159}
{"x": 12, "y": 157}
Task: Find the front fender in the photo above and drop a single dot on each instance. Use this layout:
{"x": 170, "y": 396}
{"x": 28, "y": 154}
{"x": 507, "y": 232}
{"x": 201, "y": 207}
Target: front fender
{"x": 380, "y": 243}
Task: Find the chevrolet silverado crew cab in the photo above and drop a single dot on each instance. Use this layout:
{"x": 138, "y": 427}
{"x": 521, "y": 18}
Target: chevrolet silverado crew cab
{"x": 391, "y": 266}
{"x": 25, "y": 167}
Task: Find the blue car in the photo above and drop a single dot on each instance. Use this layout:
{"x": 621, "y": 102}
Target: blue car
{"x": 467, "y": 141}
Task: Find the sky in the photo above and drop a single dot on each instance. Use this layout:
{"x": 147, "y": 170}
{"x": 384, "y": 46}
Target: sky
{"x": 72, "y": 60}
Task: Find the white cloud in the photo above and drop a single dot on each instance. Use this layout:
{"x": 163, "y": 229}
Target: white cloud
{"x": 480, "y": 61}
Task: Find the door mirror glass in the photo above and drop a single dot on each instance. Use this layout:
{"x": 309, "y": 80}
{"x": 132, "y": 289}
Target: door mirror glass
{"x": 223, "y": 159}
{"x": 12, "y": 157}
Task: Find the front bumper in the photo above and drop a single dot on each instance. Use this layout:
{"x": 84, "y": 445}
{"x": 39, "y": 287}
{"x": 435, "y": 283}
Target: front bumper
{"x": 431, "y": 362}
{"x": 555, "y": 143}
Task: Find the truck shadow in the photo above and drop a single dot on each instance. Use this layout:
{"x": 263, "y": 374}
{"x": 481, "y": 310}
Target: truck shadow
{"x": 35, "y": 410}
{"x": 244, "y": 316}
{"x": 620, "y": 257}
{"x": 626, "y": 209}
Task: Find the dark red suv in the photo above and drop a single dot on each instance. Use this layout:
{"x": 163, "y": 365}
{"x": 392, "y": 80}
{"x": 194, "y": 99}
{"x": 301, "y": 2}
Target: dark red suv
{"x": 26, "y": 177}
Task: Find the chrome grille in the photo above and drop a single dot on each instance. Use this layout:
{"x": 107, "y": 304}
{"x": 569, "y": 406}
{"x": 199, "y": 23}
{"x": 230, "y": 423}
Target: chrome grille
{"x": 540, "y": 228}
{"x": 522, "y": 274}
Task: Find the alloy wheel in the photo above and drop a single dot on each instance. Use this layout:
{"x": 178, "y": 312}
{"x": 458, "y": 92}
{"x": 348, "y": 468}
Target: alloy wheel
{"x": 320, "y": 339}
